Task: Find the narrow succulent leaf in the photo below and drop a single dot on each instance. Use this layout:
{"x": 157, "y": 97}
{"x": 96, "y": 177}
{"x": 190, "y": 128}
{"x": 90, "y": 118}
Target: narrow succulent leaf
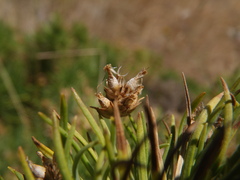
{"x": 101, "y": 167}
{"x": 173, "y": 130}
{"x": 235, "y": 85}
{"x": 236, "y": 115}
{"x": 192, "y": 147}
{"x": 147, "y": 145}
{"x": 104, "y": 125}
{"x": 134, "y": 125}
{"x": 18, "y": 174}
{"x": 164, "y": 145}
{"x": 194, "y": 105}
{"x": 142, "y": 157}
{"x": 227, "y": 123}
{"x": 215, "y": 115}
{"x": 75, "y": 144}
{"x": 89, "y": 117}
{"x": 175, "y": 165}
{"x": 44, "y": 149}
{"x": 84, "y": 142}
{"x": 131, "y": 133}
{"x": 69, "y": 141}
{"x": 28, "y": 173}
{"x": 109, "y": 148}
{"x": 79, "y": 156}
{"x": 99, "y": 173}
{"x": 59, "y": 151}
{"x": 202, "y": 139}
{"x": 208, "y": 157}
{"x": 65, "y": 134}
{"x": 167, "y": 147}
{"x": 172, "y": 146}
{"x": 61, "y": 130}
{"x": 111, "y": 156}
{"x": 64, "y": 113}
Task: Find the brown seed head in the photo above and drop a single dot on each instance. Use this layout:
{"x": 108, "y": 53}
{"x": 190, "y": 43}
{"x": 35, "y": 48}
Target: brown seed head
{"x": 125, "y": 93}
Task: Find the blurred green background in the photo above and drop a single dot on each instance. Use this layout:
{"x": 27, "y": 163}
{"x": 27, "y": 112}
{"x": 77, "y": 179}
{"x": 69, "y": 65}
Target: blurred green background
{"x": 48, "y": 47}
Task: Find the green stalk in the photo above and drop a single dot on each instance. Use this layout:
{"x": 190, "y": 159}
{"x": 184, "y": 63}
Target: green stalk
{"x": 28, "y": 173}
{"x": 202, "y": 139}
{"x": 74, "y": 143}
{"x": 131, "y": 133}
{"x": 192, "y": 147}
{"x": 18, "y": 174}
{"x": 146, "y": 131}
{"x": 69, "y": 142}
{"x": 102, "y": 167}
{"x": 79, "y": 155}
{"x": 133, "y": 123}
{"x": 111, "y": 156}
{"x": 142, "y": 154}
{"x": 89, "y": 117}
{"x": 166, "y": 150}
{"x": 64, "y": 113}
{"x": 59, "y": 151}
{"x": 227, "y": 123}
{"x": 76, "y": 134}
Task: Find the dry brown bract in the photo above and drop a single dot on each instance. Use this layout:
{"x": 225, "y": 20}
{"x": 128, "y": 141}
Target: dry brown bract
{"x": 125, "y": 93}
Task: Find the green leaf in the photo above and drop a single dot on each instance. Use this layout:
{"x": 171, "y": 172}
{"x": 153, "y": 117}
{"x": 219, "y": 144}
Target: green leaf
{"x": 64, "y": 113}
{"x": 59, "y": 151}
{"x": 192, "y": 147}
{"x": 18, "y": 174}
{"x": 76, "y": 134}
{"x": 89, "y": 117}
{"x": 227, "y": 123}
{"x": 202, "y": 139}
{"x": 102, "y": 167}
{"x": 79, "y": 156}
{"x": 130, "y": 133}
{"x": 69, "y": 142}
{"x": 142, "y": 157}
{"x": 28, "y": 173}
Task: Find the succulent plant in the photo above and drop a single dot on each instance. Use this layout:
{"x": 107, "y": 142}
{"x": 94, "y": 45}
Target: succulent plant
{"x": 130, "y": 149}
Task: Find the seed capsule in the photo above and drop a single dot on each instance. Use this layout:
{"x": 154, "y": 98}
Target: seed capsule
{"x": 37, "y": 170}
{"x": 112, "y": 81}
{"x": 126, "y": 94}
{"x": 134, "y": 83}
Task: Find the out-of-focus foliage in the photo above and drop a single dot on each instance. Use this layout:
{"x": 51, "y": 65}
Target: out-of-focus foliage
{"x": 40, "y": 66}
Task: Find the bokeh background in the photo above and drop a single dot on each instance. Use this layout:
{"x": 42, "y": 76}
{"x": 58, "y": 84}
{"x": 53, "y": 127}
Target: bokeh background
{"x": 48, "y": 46}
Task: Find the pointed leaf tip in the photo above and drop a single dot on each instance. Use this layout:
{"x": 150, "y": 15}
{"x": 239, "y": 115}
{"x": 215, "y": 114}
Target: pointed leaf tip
{"x": 224, "y": 84}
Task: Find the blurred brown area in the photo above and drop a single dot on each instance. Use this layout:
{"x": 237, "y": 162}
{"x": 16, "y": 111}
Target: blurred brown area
{"x": 200, "y": 38}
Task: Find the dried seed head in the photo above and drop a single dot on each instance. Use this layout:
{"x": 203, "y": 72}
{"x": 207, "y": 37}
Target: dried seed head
{"x": 49, "y": 170}
{"x": 37, "y": 170}
{"x": 125, "y": 93}
{"x": 112, "y": 81}
{"x": 103, "y": 101}
{"x": 135, "y": 82}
